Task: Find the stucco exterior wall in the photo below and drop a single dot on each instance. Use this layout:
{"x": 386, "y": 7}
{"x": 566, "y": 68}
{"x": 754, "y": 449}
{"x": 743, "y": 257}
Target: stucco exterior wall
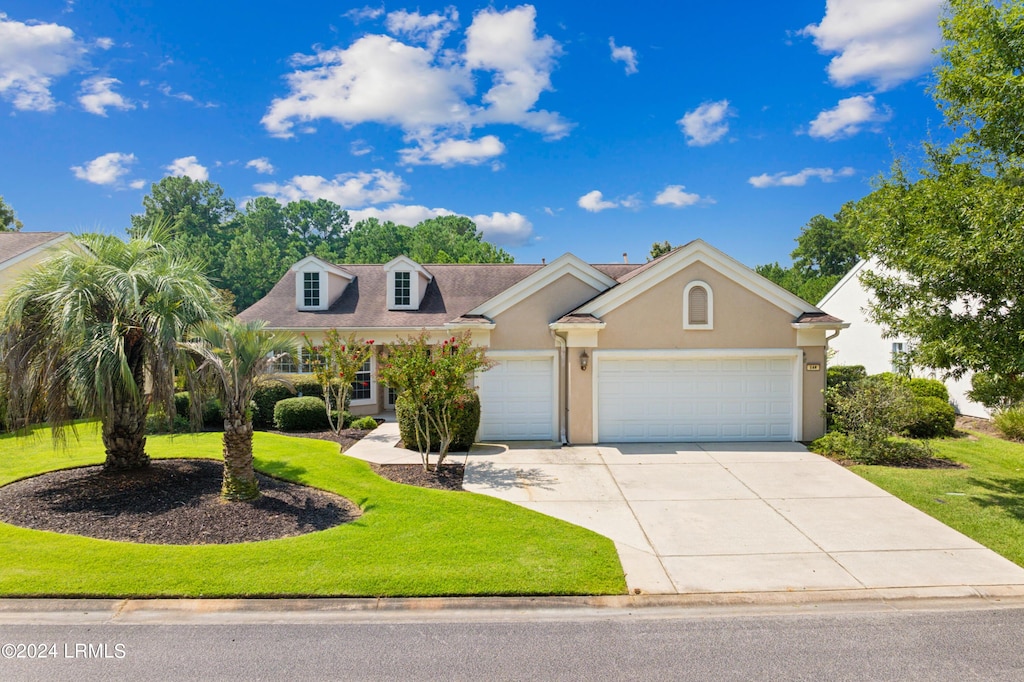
{"x": 654, "y": 319}
{"x": 524, "y": 326}
{"x": 814, "y": 393}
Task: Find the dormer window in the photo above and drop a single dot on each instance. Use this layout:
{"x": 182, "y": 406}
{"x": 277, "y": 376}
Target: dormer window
{"x": 698, "y": 306}
{"x": 311, "y": 289}
{"x": 403, "y": 288}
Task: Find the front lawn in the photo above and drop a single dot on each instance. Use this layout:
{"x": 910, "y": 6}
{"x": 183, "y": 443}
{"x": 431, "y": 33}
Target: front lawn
{"x": 408, "y": 542}
{"x": 984, "y": 501}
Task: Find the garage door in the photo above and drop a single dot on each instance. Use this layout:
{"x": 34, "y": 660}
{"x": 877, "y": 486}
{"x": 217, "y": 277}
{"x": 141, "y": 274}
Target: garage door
{"x": 696, "y": 399}
{"x": 517, "y": 399}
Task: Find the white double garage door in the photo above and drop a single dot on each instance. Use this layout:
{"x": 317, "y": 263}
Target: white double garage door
{"x": 651, "y": 396}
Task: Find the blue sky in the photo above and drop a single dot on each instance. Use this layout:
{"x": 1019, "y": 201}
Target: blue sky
{"x": 558, "y": 126}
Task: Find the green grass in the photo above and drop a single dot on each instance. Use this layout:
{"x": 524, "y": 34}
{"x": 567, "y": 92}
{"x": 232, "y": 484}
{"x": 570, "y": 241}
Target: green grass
{"x": 984, "y": 502}
{"x": 408, "y": 542}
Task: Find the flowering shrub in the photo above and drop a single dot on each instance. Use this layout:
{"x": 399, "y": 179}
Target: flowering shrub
{"x": 334, "y": 364}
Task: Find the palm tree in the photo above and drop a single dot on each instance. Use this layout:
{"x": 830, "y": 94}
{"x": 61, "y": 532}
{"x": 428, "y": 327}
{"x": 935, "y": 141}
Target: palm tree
{"x": 232, "y": 356}
{"x": 94, "y": 329}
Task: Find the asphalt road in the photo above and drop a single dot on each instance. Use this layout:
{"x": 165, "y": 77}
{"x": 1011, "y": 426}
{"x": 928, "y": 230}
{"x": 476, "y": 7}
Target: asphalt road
{"x": 855, "y": 644}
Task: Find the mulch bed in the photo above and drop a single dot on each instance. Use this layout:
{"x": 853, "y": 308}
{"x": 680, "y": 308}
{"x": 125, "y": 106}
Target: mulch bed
{"x": 448, "y": 478}
{"x": 171, "y": 502}
{"x": 345, "y": 438}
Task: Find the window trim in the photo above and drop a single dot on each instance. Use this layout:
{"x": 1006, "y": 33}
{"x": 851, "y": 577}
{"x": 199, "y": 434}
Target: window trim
{"x": 306, "y": 290}
{"x": 372, "y": 400}
{"x": 407, "y": 286}
{"x": 686, "y": 306}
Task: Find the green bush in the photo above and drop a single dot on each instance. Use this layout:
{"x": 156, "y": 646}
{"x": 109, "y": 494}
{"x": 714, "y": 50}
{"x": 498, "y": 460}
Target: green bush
{"x": 995, "y": 391}
{"x": 933, "y": 418}
{"x": 365, "y": 423}
{"x": 929, "y": 388}
{"x": 843, "y": 375}
{"x": 1010, "y": 422}
{"x": 877, "y": 409}
{"x": 213, "y": 414}
{"x": 466, "y": 423}
{"x": 832, "y": 444}
{"x": 300, "y": 414}
{"x": 158, "y": 423}
{"x": 268, "y": 394}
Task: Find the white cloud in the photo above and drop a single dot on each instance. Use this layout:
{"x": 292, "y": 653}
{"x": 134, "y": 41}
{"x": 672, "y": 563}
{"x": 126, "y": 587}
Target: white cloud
{"x": 881, "y": 42}
{"x": 137, "y": 184}
{"x": 624, "y": 54}
{"x": 505, "y": 229}
{"x": 429, "y": 29}
{"x": 799, "y": 179}
{"x": 674, "y": 195}
{"x": 594, "y": 202}
{"x": 401, "y": 214}
{"x": 166, "y": 90}
{"x": 188, "y": 166}
{"x": 98, "y": 95}
{"x": 707, "y": 123}
{"x": 453, "y": 152}
{"x": 31, "y": 57}
{"x": 424, "y": 91}
{"x": 360, "y": 148}
{"x": 104, "y": 43}
{"x": 107, "y": 169}
{"x": 349, "y": 190}
{"x": 361, "y": 14}
{"x": 261, "y": 165}
{"x": 849, "y": 117}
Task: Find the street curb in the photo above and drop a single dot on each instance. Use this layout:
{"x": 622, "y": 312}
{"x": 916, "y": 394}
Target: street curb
{"x": 331, "y": 609}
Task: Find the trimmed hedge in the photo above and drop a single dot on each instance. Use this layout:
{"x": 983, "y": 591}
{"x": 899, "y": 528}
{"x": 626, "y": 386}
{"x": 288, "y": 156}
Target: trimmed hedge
{"x": 929, "y": 388}
{"x": 843, "y": 375}
{"x": 300, "y": 414}
{"x": 935, "y": 418}
{"x": 269, "y": 393}
{"x": 364, "y": 423}
{"x": 467, "y": 423}
{"x": 213, "y": 414}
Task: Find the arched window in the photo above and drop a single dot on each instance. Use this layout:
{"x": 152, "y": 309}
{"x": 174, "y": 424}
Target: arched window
{"x": 698, "y": 306}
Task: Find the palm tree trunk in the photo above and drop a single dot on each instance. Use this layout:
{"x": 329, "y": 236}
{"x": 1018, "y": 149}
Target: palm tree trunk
{"x": 124, "y": 438}
{"x": 239, "y": 476}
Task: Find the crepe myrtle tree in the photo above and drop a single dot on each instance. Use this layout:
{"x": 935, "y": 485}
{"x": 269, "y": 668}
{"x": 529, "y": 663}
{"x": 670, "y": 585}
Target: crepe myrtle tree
{"x": 93, "y": 331}
{"x": 233, "y": 357}
{"x": 335, "y": 362}
{"x": 433, "y": 377}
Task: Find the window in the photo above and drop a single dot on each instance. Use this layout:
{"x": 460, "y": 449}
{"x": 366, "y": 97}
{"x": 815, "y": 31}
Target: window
{"x": 361, "y": 386}
{"x": 306, "y": 360}
{"x": 286, "y": 364}
{"x": 698, "y": 311}
{"x": 899, "y": 360}
{"x": 391, "y": 397}
{"x": 311, "y": 289}
{"x": 403, "y": 288}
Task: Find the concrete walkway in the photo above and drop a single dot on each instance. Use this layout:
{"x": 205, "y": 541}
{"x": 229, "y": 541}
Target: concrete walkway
{"x": 750, "y": 517}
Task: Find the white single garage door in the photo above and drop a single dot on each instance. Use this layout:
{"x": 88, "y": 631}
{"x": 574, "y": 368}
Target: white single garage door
{"x": 517, "y": 398}
{"x": 703, "y": 398}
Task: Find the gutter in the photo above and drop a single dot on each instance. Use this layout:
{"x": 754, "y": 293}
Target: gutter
{"x": 563, "y": 386}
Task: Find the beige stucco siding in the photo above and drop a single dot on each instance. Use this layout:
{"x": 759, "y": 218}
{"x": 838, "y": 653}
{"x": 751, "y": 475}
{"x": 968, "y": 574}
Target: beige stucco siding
{"x": 581, "y": 401}
{"x": 654, "y": 319}
{"x": 814, "y": 393}
{"x": 524, "y": 326}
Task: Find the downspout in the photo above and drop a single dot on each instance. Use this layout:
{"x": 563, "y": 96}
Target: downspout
{"x": 563, "y": 386}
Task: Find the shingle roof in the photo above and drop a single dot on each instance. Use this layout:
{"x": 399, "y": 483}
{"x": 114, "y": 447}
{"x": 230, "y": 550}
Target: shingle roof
{"x": 818, "y": 318}
{"x": 576, "y": 318}
{"x": 454, "y": 291}
{"x": 14, "y": 244}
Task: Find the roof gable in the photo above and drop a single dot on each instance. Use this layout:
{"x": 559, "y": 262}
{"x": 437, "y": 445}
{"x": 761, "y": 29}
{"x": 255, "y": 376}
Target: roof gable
{"x": 322, "y": 265}
{"x": 567, "y": 264}
{"x": 406, "y": 263}
{"x": 696, "y": 251}
{"x": 853, "y": 274}
{"x": 18, "y": 246}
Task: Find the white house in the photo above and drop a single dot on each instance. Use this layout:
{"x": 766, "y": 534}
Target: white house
{"x": 864, "y": 343}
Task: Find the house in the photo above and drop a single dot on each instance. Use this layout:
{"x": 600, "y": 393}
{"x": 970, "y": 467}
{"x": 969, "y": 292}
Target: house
{"x": 692, "y": 346}
{"x": 865, "y": 342}
{"x": 21, "y": 251}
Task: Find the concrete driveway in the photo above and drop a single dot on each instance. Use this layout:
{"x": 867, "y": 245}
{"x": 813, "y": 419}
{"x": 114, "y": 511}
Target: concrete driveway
{"x": 740, "y": 517}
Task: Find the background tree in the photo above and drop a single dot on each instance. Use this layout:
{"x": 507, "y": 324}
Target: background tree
{"x": 96, "y": 330}
{"x": 659, "y": 249}
{"x": 8, "y": 221}
{"x": 234, "y": 357}
{"x": 373, "y": 241}
{"x": 317, "y": 227}
{"x": 949, "y": 238}
{"x": 452, "y": 239}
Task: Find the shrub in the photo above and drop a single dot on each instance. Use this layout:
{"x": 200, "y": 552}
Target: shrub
{"x": 213, "y": 414}
{"x": 300, "y": 414}
{"x": 832, "y": 444}
{"x": 465, "y": 425}
{"x": 877, "y": 409}
{"x": 158, "y": 423}
{"x": 843, "y": 375}
{"x": 934, "y": 418}
{"x": 1010, "y": 422}
{"x": 365, "y": 423}
{"x": 995, "y": 391}
{"x": 929, "y": 388}
{"x": 267, "y": 395}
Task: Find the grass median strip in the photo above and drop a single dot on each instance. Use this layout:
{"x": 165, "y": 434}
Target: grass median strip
{"x": 984, "y": 501}
{"x": 408, "y": 542}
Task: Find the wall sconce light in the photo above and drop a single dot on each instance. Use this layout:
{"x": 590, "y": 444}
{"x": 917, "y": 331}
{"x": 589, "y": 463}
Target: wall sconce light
{"x": 584, "y": 361}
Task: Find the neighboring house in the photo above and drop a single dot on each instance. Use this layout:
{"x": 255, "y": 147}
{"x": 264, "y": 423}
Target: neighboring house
{"x": 692, "y": 346}
{"x": 865, "y": 343}
{"x": 21, "y": 251}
